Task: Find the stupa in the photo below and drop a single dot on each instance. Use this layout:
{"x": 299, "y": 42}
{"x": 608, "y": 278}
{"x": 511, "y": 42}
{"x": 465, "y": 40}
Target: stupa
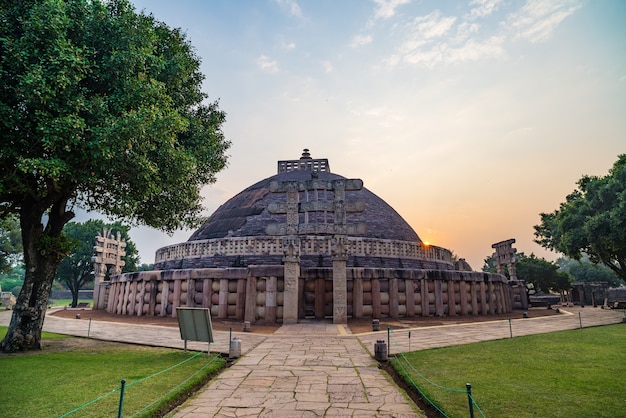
{"x": 308, "y": 243}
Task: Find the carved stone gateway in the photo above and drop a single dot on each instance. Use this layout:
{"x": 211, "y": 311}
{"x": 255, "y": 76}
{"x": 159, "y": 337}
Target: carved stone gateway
{"x": 505, "y": 255}
{"x": 315, "y": 192}
{"x": 108, "y": 253}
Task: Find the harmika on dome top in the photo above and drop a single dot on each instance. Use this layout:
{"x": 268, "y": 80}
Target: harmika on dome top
{"x": 239, "y": 232}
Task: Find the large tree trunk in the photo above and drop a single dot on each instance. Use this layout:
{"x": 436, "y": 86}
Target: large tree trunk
{"x": 43, "y": 251}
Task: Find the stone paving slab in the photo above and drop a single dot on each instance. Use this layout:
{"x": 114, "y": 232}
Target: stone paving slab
{"x": 447, "y": 335}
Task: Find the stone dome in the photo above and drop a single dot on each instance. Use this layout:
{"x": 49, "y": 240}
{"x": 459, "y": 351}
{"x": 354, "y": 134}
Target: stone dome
{"x": 246, "y": 230}
{"x": 247, "y": 215}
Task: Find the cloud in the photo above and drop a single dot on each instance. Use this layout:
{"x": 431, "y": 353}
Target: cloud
{"x": 360, "y": 40}
{"x": 424, "y": 29}
{"x": 291, "y": 6}
{"x": 267, "y": 64}
{"x": 483, "y": 7}
{"x": 537, "y": 20}
{"x": 328, "y": 66}
{"x": 387, "y": 8}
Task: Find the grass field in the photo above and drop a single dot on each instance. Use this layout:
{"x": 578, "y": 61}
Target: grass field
{"x": 579, "y": 373}
{"x": 54, "y": 382}
{"x": 66, "y": 302}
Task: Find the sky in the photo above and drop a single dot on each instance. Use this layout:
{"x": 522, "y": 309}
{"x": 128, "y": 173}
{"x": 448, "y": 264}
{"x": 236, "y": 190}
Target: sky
{"x": 470, "y": 118}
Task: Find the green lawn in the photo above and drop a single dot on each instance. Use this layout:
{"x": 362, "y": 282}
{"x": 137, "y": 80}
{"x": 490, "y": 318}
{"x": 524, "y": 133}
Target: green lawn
{"x": 52, "y": 383}
{"x": 565, "y": 374}
{"x": 67, "y": 302}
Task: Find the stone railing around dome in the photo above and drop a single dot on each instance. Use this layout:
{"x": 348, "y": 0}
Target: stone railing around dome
{"x": 258, "y": 293}
{"x": 310, "y": 246}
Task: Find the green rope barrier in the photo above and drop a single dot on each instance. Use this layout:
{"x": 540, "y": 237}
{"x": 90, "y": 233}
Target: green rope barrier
{"x": 90, "y": 403}
{"x": 133, "y": 383}
{"x": 165, "y": 370}
{"x": 175, "y": 387}
{"x": 401, "y": 358}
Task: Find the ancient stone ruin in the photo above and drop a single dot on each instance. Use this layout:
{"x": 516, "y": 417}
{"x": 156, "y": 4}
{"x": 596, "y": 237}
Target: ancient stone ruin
{"x": 308, "y": 243}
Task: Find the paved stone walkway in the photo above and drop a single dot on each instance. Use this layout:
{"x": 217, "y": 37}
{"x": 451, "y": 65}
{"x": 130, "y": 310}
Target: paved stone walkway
{"x": 315, "y": 369}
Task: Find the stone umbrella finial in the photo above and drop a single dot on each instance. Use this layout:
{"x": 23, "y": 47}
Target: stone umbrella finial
{"x": 305, "y": 154}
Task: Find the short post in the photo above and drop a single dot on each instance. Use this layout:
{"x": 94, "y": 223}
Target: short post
{"x": 89, "y": 328}
{"x": 380, "y": 350}
{"x": 469, "y": 399}
{"x": 388, "y": 340}
{"x": 510, "y": 328}
{"x": 409, "y": 341}
{"x": 235, "y": 348}
{"x": 119, "y": 409}
{"x": 375, "y": 325}
{"x": 580, "y": 320}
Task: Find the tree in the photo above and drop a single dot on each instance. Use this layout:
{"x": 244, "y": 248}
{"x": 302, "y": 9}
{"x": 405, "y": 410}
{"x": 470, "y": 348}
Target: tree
{"x": 542, "y": 275}
{"x": 76, "y": 270}
{"x": 584, "y": 270}
{"x": 591, "y": 221}
{"x": 10, "y": 243}
{"x": 101, "y": 108}
{"x": 538, "y": 273}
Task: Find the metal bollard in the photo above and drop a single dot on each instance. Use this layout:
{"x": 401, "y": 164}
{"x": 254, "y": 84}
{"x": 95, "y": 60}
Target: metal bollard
{"x": 235, "y": 348}
{"x": 376, "y": 325}
{"x": 380, "y": 350}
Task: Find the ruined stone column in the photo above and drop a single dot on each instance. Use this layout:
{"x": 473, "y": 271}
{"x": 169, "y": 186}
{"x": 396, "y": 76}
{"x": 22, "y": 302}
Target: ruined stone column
{"x": 291, "y": 249}
{"x": 250, "y": 310}
{"x": 270, "y": 299}
{"x": 340, "y": 287}
{"x": 357, "y": 295}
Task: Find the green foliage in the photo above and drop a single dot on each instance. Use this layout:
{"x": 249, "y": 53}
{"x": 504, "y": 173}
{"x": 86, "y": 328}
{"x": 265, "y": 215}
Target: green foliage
{"x": 591, "y": 221}
{"x": 101, "y": 108}
{"x": 94, "y": 368}
{"x": 564, "y": 374}
{"x": 10, "y": 243}
{"x": 145, "y": 267}
{"x": 584, "y": 270}
{"x": 13, "y": 281}
{"x": 538, "y": 273}
{"x": 76, "y": 270}
{"x": 542, "y": 275}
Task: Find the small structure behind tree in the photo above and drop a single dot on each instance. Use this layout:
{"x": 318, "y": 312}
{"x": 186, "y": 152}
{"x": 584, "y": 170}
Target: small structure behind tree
{"x": 108, "y": 256}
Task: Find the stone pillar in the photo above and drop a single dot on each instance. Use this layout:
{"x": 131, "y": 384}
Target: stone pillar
{"x": 320, "y": 297}
{"x": 451, "y": 299}
{"x": 141, "y": 298}
{"x": 410, "y": 298}
{"x": 463, "y": 294}
{"x": 222, "y": 309}
{"x": 340, "y": 287}
{"x": 425, "y": 303}
{"x": 438, "y": 299}
{"x": 250, "y": 309}
{"x": 357, "y": 295}
{"x": 483, "y": 298}
{"x": 270, "y": 299}
{"x": 240, "y": 305}
{"x": 474, "y": 296}
{"x": 207, "y": 293}
{"x": 176, "y": 298}
{"x": 165, "y": 297}
{"x": 493, "y": 304}
{"x": 291, "y": 249}
{"x": 376, "y": 308}
{"x": 394, "y": 302}
{"x": 191, "y": 293}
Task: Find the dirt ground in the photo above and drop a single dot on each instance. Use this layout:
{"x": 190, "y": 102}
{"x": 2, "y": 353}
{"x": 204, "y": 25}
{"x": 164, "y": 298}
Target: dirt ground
{"x": 357, "y": 326}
